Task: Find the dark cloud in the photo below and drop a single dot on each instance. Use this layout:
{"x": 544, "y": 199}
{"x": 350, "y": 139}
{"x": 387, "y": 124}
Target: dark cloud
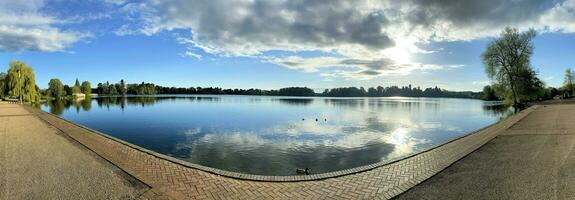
{"x": 380, "y": 64}
{"x": 469, "y": 12}
{"x": 469, "y": 19}
{"x": 260, "y": 24}
{"x": 371, "y": 72}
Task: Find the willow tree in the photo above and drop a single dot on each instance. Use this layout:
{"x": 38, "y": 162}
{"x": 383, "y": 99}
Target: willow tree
{"x": 507, "y": 62}
{"x": 3, "y": 88}
{"x": 21, "y": 82}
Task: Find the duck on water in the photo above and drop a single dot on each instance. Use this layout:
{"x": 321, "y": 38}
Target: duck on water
{"x": 305, "y": 171}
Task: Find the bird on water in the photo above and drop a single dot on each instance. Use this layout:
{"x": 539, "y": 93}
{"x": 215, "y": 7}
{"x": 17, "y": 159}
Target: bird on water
{"x": 302, "y": 171}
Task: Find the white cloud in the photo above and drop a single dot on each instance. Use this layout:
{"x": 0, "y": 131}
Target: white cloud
{"x": 116, "y": 2}
{"x": 24, "y": 28}
{"x": 560, "y": 18}
{"x": 354, "y": 68}
{"x": 372, "y": 34}
{"x": 192, "y": 55}
{"x": 481, "y": 83}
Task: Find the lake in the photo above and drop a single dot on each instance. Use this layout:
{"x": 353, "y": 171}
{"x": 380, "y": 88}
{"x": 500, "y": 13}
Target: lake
{"x": 275, "y": 135}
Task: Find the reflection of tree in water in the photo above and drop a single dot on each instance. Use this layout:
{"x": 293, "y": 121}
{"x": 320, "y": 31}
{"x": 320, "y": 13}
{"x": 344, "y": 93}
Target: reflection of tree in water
{"x": 86, "y": 103}
{"x": 151, "y": 100}
{"x": 57, "y": 107}
{"x": 347, "y": 102}
{"x": 381, "y": 103}
{"x": 142, "y": 101}
{"x": 295, "y": 101}
{"x": 498, "y": 109}
{"x": 208, "y": 99}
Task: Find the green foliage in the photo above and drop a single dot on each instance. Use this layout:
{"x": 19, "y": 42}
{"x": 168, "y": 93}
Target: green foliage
{"x": 569, "y": 81}
{"x": 507, "y": 62}
{"x": 122, "y": 88}
{"x": 304, "y": 91}
{"x": 529, "y": 87}
{"x": 113, "y": 90}
{"x": 77, "y": 87}
{"x": 68, "y": 90}
{"x": 55, "y": 89}
{"x": 146, "y": 89}
{"x": 21, "y": 82}
{"x": 489, "y": 94}
{"x": 3, "y": 85}
{"x": 103, "y": 88}
{"x": 295, "y": 91}
{"x": 405, "y": 91}
{"x": 86, "y": 103}
{"x": 86, "y": 88}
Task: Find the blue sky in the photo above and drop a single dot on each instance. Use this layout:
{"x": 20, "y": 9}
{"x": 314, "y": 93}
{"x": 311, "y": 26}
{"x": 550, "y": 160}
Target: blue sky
{"x": 272, "y": 44}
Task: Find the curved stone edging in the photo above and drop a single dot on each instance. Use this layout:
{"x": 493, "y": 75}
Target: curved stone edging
{"x": 263, "y": 178}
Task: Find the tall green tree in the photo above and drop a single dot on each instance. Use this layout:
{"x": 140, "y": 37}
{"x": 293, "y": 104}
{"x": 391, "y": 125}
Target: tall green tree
{"x": 569, "y": 81}
{"x": 77, "y": 88}
{"x": 107, "y": 88}
{"x": 86, "y": 88}
{"x": 489, "y": 94}
{"x": 113, "y": 90}
{"x": 56, "y": 89}
{"x": 68, "y": 90}
{"x": 122, "y": 88}
{"x": 529, "y": 87}
{"x": 21, "y": 82}
{"x": 3, "y": 88}
{"x": 507, "y": 59}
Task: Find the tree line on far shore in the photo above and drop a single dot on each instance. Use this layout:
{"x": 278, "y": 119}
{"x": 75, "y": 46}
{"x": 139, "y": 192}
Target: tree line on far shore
{"x": 9, "y": 88}
{"x": 58, "y": 90}
{"x": 406, "y": 91}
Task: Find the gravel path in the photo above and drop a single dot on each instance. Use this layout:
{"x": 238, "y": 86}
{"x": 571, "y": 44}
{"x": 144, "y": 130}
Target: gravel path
{"x": 37, "y": 162}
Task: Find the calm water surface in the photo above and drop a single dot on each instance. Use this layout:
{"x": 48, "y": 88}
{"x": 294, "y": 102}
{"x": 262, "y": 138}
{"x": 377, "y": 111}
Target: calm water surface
{"x": 276, "y": 135}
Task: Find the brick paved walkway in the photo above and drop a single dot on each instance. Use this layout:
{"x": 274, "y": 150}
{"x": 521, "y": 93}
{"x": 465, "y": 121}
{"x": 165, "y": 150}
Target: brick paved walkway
{"x": 171, "y": 180}
{"x": 534, "y": 159}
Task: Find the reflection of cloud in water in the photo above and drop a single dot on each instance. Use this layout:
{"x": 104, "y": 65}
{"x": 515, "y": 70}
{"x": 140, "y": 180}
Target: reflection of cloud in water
{"x": 248, "y": 152}
{"x": 322, "y": 148}
{"x": 403, "y": 143}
